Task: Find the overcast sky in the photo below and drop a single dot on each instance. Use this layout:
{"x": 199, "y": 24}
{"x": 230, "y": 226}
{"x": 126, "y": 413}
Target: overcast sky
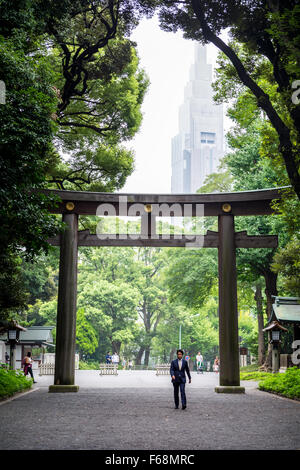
{"x": 166, "y": 58}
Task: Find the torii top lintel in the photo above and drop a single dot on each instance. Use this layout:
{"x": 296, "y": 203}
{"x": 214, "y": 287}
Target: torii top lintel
{"x": 257, "y": 202}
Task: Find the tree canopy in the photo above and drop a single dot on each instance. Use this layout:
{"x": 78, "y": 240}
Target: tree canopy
{"x": 74, "y": 91}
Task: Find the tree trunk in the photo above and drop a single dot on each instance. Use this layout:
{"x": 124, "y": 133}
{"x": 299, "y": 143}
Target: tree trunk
{"x": 260, "y": 321}
{"x": 139, "y": 356}
{"x": 116, "y": 346}
{"x": 172, "y": 354}
{"x": 147, "y": 354}
{"x": 271, "y": 289}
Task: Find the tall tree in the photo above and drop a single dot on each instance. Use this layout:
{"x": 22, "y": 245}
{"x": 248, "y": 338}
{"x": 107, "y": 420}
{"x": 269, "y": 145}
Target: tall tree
{"x": 73, "y": 94}
{"x": 26, "y": 140}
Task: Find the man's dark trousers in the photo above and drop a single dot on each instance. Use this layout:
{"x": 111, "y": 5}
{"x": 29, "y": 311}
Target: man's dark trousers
{"x": 176, "y": 386}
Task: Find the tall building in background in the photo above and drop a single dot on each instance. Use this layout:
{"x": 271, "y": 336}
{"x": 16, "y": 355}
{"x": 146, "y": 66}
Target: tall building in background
{"x": 198, "y": 147}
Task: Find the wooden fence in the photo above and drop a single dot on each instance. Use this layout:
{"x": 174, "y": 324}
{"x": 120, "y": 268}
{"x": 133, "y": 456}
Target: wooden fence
{"x": 47, "y": 368}
{"x": 108, "y": 369}
{"x": 163, "y": 369}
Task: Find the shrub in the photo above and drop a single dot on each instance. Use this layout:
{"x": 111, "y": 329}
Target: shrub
{"x": 89, "y": 365}
{"x": 286, "y": 384}
{"x": 12, "y": 381}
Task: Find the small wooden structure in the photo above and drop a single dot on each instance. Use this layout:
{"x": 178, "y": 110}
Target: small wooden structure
{"x": 275, "y": 327}
{"x": 108, "y": 369}
{"x": 286, "y": 311}
{"x": 29, "y": 338}
{"x": 47, "y": 368}
{"x": 162, "y": 369}
{"x": 10, "y": 333}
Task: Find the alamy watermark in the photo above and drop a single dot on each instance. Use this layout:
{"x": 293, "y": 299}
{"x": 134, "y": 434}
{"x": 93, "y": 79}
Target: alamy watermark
{"x": 296, "y": 94}
{"x": 148, "y": 214}
{"x": 2, "y": 92}
{"x": 295, "y": 357}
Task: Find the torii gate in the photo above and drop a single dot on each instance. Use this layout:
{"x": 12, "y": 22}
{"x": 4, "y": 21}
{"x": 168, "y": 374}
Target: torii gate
{"x": 223, "y": 205}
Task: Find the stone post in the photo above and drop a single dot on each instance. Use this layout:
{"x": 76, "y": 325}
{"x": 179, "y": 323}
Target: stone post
{"x": 275, "y": 358}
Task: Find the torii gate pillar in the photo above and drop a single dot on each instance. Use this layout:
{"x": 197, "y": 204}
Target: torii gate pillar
{"x": 228, "y": 314}
{"x": 66, "y": 312}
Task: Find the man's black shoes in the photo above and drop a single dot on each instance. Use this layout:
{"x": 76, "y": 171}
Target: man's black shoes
{"x": 176, "y": 407}
{"x": 183, "y": 407}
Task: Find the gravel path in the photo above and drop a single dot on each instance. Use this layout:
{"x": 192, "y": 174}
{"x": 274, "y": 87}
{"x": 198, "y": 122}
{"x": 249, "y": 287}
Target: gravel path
{"x": 143, "y": 417}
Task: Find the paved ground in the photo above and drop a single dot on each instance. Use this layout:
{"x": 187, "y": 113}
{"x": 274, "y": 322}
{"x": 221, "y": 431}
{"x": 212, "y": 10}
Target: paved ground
{"x": 135, "y": 411}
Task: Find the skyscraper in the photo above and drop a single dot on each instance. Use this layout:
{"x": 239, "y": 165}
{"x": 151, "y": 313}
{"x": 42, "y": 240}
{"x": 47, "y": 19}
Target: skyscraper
{"x": 198, "y": 147}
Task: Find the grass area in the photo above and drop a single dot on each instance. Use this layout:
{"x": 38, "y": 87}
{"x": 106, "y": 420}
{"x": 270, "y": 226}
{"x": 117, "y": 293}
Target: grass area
{"x": 252, "y": 373}
{"x": 286, "y": 384}
{"x": 92, "y": 365}
{"x": 250, "y": 368}
{"x": 255, "y": 375}
{"x": 12, "y": 381}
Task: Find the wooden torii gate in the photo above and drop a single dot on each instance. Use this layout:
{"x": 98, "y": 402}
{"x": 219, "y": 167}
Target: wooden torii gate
{"x": 149, "y": 206}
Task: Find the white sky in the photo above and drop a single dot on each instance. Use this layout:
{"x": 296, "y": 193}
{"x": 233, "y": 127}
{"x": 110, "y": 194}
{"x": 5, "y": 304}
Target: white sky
{"x": 166, "y": 58}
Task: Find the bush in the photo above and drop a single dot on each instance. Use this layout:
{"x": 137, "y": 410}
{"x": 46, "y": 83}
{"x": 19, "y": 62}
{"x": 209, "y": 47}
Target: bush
{"x": 12, "y": 381}
{"x": 88, "y": 365}
{"x": 286, "y": 384}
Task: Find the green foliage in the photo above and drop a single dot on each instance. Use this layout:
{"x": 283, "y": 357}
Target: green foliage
{"x": 74, "y": 91}
{"x": 110, "y": 307}
{"x": 255, "y": 163}
{"x": 255, "y": 375}
{"x": 286, "y": 384}
{"x": 26, "y": 136}
{"x": 217, "y": 182}
{"x": 250, "y": 368}
{"x": 88, "y": 365}
{"x": 92, "y": 127}
{"x": 248, "y": 331}
{"x": 86, "y": 336}
{"x": 12, "y": 295}
{"x": 12, "y": 381}
{"x": 26, "y": 139}
{"x": 191, "y": 275}
{"x": 40, "y": 278}
{"x": 287, "y": 262}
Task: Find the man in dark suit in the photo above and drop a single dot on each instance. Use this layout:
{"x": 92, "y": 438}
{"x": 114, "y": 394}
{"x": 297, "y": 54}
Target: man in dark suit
{"x": 179, "y": 367}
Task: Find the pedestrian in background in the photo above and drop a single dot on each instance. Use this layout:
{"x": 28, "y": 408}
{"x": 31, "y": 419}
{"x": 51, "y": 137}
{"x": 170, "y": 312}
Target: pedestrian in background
{"x": 216, "y": 364}
{"x": 115, "y": 359}
{"x": 199, "y": 362}
{"x": 28, "y": 366}
{"x": 108, "y": 358}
